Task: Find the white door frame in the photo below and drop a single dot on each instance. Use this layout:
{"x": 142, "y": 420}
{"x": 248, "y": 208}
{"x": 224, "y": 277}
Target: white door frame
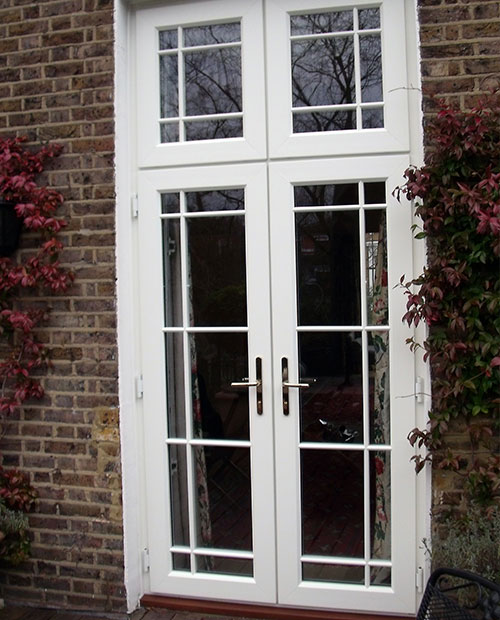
{"x": 134, "y": 513}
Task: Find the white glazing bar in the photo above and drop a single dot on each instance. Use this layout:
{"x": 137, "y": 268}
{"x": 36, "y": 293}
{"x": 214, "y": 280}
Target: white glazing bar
{"x": 203, "y": 117}
{"x": 220, "y": 443}
{"x": 357, "y": 71}
{"x": 198, "y": 48}
{"x": 319, "y": 445}
{"x": 321, "y": 35}
{"x": 333, "y": 560}
{"x": 342, "y": 328}
{"x": 223, "y": 553}
{"x": 366, "y": 501}
{"x": 380, "y": 563}
{"x": 327, "y": 208}
{"x": 325, "y": 108}
{"x": 219, "y": 330}
{"x": 181, "y": 90}
{"x": 196, "y": 214}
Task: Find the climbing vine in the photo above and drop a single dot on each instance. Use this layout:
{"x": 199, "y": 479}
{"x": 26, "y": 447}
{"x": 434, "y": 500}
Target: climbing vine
{"x": 24, "y": 280}
{"x": 457, "y": 197}
{"x": 38, "y": 271}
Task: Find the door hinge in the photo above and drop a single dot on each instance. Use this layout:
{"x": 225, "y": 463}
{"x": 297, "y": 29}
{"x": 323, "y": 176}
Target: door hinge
{"x": 145, "y": 560}
{"x": 419, "y": 389}
{"x": 139, "y": 387}
{"x": 419, "y": 579}
{"x": 134, "y": 205}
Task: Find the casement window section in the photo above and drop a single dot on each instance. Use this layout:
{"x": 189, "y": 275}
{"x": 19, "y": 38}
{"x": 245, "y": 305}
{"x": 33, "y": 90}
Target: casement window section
{"x": 261, "y": 323}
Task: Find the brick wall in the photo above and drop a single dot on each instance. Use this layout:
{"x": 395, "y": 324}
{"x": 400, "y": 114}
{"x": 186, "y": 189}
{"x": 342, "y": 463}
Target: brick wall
{"x": 56, "y": 84}
{"x": 460, "y": 49}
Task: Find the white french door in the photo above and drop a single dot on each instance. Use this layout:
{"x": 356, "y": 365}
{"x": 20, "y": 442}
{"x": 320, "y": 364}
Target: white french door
{"x": 276, "y": 379}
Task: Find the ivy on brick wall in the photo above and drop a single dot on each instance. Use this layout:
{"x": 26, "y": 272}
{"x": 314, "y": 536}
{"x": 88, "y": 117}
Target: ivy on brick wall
{"x": 33, "y": 273}
{"x": 457, "y": 197}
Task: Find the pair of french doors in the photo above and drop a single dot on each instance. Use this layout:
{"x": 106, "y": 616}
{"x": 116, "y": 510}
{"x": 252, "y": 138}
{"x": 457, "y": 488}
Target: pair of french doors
{"x": 276, "y": 378}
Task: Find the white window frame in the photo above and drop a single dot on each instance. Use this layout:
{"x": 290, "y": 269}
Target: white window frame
{"x": 252, "y": 146}
{"x": 394, "y": 137}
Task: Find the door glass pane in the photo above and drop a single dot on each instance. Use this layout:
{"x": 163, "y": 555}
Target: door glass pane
{"x": 224, "y": 512}
{"x": 304, "y": 122}
{"x": 328, "y": 267}
{"x": 381, "y": 576}
{"x": 369, "y": 18}
{"x": 220, "y": 200}
{"x": 380, "y": 418}
{"x": 178, "y": 495}
{"x": 312, "y": 571}
{"x": 331, "y": 410}
{"x": 380, "y": 490}
{"x": 219, "y": 410}
{"x": 376, "y": 266}
{"x": 224, "y": 566}
{"x": 217, "y": 268}
{"x": 181, "y": 561}
{"x": 212, "y": 129}
{"x": 332, "y": 503}
{"x": 172, "y": 292}
{"x": 326, "y": 195}
{"x": 176, "y": 403}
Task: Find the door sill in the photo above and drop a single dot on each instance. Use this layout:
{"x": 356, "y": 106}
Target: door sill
{"x": 246, "y": 610}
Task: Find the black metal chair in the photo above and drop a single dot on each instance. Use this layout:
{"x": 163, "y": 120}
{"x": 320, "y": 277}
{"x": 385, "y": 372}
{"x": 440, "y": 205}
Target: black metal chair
{"x": 453, "y": 594}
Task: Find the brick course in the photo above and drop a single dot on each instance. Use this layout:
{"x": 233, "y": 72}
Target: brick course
{"x": 460, "y": 49}
{"x": 56, "y": 84}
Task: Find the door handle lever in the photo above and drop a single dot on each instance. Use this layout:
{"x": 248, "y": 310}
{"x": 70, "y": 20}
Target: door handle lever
{"x": 288, "y": 384}
{"x": 257, "y": 384}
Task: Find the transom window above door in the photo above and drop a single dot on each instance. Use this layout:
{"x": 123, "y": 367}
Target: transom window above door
{"x": 213, "y": 76}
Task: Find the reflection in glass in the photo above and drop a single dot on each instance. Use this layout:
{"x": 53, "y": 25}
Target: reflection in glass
{"x": 229, "y": 498}
{"x": 331, "y": 410}
{"x": 378, "y": 347}
{"x": 217, "y": 270}
{"x": 328, "y": 268}
{"x": 218, "y": 200}
{"x": 333, "y": 573}
{"x": 168, "y": 39}
{"x": 176, "y": 404}
{"x": 214, "y": 129}
{"x": 169, "y": 86}
{"x": 172, "y": 295}
{"x": 178, "y": 495}
{"x": 219, "y": 410}
{"x": 213, "y": 34}
{"x": 380, "y": 491}
{"x": 224, "y": 566}
{"x": 169, "y": 132}
{"x": 376, "y": 266}
{"x": 304, "y": 122}
{"x": 181, "y": 561}
{"x": 213, "y": 81}
{"x": 370, "y": 57}
{"x": 372, "y": 118}
{"x": 369, "y": 18}
{"x": 323, "y": 71}
{"x": 332, "y": 503}
{"x": 170, "y": 202}
{"x": 326, "y": 195}
{"x": 317, "y": 23}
